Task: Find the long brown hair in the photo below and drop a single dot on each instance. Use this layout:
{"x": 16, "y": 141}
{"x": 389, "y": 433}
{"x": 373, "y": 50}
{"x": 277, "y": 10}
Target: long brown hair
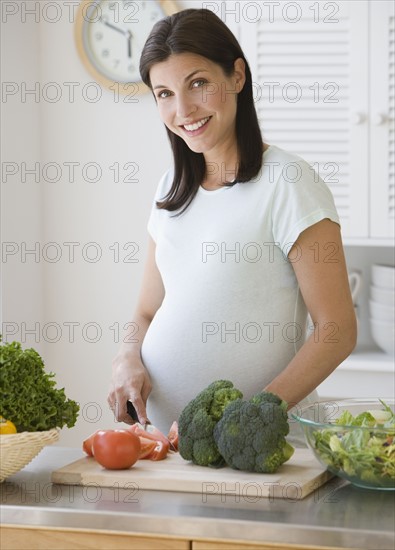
{"x": 201, "y": 32}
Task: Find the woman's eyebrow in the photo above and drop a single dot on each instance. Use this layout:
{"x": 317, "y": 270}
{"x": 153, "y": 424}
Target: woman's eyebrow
{"x": 191, "y": 75}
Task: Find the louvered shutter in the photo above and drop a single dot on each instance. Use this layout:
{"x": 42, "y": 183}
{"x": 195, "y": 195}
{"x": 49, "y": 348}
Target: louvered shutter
{"x": 311, "y": 94}
{"x": 382, "y": 115}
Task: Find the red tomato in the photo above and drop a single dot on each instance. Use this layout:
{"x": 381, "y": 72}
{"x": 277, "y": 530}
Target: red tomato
{"x": 151, "y": 433}
{"x": 172, "y": 436}
{"x": 159, "y": 436}
{"x": 153, "y": 450}
{"x": 147, "y": 447}
{"x": 160, "y": 451}
{"x": 87, "y": 444}
{"x": 116, "y": 449}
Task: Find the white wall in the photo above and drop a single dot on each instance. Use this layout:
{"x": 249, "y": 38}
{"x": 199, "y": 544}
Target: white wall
{"x": 21, "y": 206}
{"x": 54, "y": 295}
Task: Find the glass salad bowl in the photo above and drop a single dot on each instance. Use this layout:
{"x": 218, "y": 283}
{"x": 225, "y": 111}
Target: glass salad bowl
{"x": 353, "y": 438}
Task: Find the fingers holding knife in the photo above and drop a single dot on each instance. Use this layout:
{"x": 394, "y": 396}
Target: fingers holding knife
{"x": 132, "y": 412}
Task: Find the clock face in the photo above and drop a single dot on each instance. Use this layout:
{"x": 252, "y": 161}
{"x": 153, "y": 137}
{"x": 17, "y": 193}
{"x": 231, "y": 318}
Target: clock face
{"x": 114, "y": 34}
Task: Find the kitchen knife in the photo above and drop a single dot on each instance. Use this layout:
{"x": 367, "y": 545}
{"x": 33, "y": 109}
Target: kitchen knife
{"x": 133, "y": 414}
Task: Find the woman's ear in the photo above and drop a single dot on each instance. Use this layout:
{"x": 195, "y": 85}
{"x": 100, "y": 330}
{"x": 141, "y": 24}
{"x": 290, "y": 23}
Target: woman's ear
{"x": 239, "y": 74}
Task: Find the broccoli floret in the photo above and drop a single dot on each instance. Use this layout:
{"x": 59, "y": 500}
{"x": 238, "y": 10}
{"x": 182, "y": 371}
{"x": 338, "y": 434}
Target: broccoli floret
{"x": 268, "y": 397}
{"x": 198, "y": 420}
{"x": 251, "y": 434}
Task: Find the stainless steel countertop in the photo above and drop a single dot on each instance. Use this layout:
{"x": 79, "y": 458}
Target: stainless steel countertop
{"x": 338, "y": 514}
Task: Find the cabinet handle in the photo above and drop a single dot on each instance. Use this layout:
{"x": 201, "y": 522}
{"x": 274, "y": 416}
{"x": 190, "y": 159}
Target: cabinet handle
{"x": 379, "y": 119}
{"x": 357, "y": 118}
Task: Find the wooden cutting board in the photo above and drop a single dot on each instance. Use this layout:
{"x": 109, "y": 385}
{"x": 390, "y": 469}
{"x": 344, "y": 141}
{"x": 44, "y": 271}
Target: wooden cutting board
{"x": 295, "y": 479}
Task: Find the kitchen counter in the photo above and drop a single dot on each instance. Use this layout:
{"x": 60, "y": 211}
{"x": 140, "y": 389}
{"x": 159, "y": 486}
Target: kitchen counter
{"x": 335, "y": 515}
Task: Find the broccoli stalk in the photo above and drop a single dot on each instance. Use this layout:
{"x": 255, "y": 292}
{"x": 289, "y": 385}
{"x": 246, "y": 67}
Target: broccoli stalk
{"x": 198, "y": 420}
{"x": 251, "y": 434}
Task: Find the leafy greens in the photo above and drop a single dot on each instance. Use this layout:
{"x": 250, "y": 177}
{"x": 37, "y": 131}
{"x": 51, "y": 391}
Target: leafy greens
{"x": 28, "y": 394}
{"x": 362, "y": 446}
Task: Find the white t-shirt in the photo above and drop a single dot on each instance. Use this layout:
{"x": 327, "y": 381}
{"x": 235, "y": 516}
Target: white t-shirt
{"x": 232, "y": 307}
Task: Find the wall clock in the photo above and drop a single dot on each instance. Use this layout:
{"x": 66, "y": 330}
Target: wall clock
{"x": 110, "y": 35}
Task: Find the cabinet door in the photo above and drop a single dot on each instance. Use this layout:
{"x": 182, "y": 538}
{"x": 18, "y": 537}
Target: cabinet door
{"x": 382, "y": 118}
{"x": 17, "y": 537}
{"x": 310, "y": 67}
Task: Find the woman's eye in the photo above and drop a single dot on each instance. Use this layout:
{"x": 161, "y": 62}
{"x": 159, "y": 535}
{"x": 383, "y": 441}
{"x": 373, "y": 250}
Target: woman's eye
{"x": 198, "y": 83}
{"x": 163, "y": 94}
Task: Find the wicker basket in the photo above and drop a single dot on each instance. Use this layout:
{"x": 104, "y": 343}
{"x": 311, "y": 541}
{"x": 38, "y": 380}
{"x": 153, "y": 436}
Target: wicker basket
{"x": 17, "y": 450}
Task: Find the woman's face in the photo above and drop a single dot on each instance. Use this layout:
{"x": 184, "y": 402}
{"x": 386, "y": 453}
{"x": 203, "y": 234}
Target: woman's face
{"x": 197, "y": 101}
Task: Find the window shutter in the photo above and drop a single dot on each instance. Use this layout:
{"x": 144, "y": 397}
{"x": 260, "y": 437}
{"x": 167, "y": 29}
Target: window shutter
{"x": 311, "y": 95}
{"x": 391, "y": 110}
{"x": 382, "y": 116}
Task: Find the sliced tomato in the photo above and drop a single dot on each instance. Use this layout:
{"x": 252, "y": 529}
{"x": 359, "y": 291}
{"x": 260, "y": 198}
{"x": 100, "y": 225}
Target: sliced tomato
{"x": 172, "y": 436}
{"x": 147, "y": 447}
{"x": 151, "y": 433}
{"x": 160, "y": 451}
{"x": 159, "y": 436}
{"x": 87, "y": 444}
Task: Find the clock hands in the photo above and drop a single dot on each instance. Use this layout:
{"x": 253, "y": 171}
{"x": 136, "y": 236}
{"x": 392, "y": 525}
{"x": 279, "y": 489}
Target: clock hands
{"x": 130, "y": 36}
{"x": 122, "y": 31}
{"x": 126, "y": 33}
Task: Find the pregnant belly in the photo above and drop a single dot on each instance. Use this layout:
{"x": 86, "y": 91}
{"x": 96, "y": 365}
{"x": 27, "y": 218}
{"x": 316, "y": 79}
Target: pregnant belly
{"x": 183, "y": 355}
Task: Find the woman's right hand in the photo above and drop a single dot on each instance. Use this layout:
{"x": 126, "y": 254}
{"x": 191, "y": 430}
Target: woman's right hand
{"x": 130, "y": 382}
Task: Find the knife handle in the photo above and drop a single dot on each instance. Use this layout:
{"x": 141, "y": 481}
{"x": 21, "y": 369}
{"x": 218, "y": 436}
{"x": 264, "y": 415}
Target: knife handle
{"x": 132, "y": 411}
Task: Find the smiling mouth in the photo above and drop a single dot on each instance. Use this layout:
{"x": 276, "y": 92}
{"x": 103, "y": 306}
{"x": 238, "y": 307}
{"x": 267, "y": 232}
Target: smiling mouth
{"x": 196, "y": 125}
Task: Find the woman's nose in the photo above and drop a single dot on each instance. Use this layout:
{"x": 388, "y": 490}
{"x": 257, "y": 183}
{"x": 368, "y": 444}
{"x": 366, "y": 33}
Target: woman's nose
{"x": 185, "y": 107}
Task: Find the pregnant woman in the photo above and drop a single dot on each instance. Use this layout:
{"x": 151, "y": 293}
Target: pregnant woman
{"x": 244, "y": 242}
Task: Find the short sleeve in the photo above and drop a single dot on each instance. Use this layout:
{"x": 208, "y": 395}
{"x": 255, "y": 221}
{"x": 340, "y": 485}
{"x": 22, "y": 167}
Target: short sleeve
{"x": 301, "y": 199}
{"x": 156, "y": 213}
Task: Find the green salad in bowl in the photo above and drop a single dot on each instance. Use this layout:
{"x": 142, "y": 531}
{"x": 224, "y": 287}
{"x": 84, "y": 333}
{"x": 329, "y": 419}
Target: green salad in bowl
{"x": 354, "y": 439}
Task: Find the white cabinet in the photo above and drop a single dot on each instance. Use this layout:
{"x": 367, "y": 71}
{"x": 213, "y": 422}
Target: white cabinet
{"x": 324, "y": 88}
{"x": 382, "y": 115}
{"x": 363, "y": 374}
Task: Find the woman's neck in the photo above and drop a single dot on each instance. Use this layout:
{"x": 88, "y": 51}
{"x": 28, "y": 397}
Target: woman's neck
{"x": 225, "y": 170}
{"x": 221, "y": 167}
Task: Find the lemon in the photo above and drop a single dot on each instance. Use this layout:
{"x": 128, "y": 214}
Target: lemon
{"x": 7, "y": 427}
